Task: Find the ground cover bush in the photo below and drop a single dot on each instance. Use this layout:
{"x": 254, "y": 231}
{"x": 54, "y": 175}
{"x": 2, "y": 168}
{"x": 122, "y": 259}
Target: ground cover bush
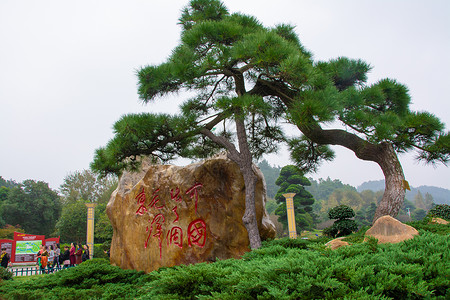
{"x": 281, "y": 269}
{"x": 426, "y": 225}
{"x": 5, "y": 274}
{"x": 93, "y": 279}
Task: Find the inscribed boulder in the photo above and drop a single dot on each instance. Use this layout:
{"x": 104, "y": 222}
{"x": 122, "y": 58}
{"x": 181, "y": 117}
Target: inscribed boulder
{"x": 167, "y": 215}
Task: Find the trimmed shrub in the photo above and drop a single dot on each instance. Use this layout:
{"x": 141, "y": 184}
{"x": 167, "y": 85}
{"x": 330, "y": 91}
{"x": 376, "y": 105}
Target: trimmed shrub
{"x": 343, "y": 225}
{"x": 341, "y": 212}
{"x": 440, "y": 211}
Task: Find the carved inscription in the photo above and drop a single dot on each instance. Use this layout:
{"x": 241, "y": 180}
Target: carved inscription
{"x": 196, "y": 230}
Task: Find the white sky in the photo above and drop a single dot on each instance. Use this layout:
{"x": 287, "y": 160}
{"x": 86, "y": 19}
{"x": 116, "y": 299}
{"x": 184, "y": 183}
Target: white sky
{"x": 67, "y": 71}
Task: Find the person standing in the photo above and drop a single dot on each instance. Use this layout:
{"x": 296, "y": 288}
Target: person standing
{"x": 72, "y": 254}
{"x": 51, "y": 258}
{"x": 4, "y": 258}
{"x": 86, "y": 253}
{"x": 56, "y": 257}
{"x": 65, "y": 257}
{"x": 39, "y": 258}
{"x": 78, "y": 255}
{"x": 44, "y": 259}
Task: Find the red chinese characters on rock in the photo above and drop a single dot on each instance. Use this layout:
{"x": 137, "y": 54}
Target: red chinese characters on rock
{"x": 176, "y": 214}
{"x": 193, "y": 193}
{"x": 175, "y": 236}
{"x": 196, "y": 231}
{"x": 175, "y": 195}
{"x": 157, "y": 222}
{"x": 141, "y": 200}
{"x": 155, "y": 200}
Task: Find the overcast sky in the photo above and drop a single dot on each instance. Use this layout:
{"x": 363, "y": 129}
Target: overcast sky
{"x": 68, "y": 71}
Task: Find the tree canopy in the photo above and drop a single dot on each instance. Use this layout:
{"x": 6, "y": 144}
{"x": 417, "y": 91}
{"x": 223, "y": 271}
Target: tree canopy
{"x": 85, "y": 185}
{"x": 79, "y": 188}
{"x": 33, "y": 206}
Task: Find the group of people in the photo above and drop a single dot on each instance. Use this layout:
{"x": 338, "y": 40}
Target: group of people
{"x": 52, "y": 257}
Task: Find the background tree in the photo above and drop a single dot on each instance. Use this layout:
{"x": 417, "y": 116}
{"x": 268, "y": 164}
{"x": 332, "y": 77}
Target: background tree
{"x": 85, "y": 185}
{"x": 418, "y": 214}
{"x": 428, "y": 201}
{"x": 419, "y": 201}
{"x": 103, "y": 230}
{"x": 72, "y": 224}
{"x": 291, "y": 180}
{"x": 7, "y": 183}
{"x": 7, "y": 232}
{"x": 5, "y": 187}
{"x": 271, "y": 174}
{"x": 33, "y": 206}
{"x": 4, "y": 191}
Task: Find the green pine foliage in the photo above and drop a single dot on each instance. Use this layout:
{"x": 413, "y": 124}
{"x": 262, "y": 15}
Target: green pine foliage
{"x": 281, "y": 269}
{"x": 343, "y": 225}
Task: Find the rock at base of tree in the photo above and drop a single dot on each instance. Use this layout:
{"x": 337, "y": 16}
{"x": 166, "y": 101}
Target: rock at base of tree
{"x": 389, "y": 230}
{"x": 167, "y": 215}
{"x": 336, "y": 243}
{"x": 439, "y": 221}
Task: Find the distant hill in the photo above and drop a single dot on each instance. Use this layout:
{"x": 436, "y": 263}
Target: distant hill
{"x": 440, "y": 195}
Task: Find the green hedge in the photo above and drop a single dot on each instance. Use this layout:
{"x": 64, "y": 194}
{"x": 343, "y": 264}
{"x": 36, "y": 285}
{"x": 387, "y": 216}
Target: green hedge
{"x": 418, "y": 268}
{"x": 281, "y": 269}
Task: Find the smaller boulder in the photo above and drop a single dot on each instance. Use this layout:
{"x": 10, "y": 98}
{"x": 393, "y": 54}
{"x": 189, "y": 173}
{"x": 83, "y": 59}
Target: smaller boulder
{"x": 389, "y": 230}
{"x": 336, "y": 243}
{"x": 439, "y": 221}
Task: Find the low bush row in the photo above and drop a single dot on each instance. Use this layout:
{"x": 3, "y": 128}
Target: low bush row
{"x": 281, "y": 269}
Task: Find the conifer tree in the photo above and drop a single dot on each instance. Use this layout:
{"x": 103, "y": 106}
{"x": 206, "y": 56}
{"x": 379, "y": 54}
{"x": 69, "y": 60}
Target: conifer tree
{"x": 247, "y": 76}
{"x": 292, "y": 180}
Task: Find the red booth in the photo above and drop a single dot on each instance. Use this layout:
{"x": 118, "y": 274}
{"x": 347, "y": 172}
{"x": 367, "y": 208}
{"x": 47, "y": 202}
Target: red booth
{"x": 24, "y": 247}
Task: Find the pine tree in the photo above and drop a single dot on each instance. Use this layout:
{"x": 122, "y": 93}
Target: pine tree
{"x": 246, "y": 77}
{"x": 292, "y": 180}
{"x": 419, "y": 201}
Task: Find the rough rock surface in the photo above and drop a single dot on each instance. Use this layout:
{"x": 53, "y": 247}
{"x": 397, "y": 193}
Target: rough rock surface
{"x": 168, "y": 215}
{"x": 336, "y": 243}
{"x": 389, "y": 230}
{"x": 439, "y": 221}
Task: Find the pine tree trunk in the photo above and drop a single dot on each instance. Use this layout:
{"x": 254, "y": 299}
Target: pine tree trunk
{"x": 246, "y": 165}
{"x": 243, "y": 158}
{"x": 394, "y": 192}
{"x": 249, "y": 218}
{"x": 383, "y": 154}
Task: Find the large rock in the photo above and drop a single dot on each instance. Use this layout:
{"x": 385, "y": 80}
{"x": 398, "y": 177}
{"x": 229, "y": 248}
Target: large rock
{"x": 439, "y": 221}
{"x": 168, "y": 215}
{"x": 336, "y": 243}
{"x": 389, "y": 230}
